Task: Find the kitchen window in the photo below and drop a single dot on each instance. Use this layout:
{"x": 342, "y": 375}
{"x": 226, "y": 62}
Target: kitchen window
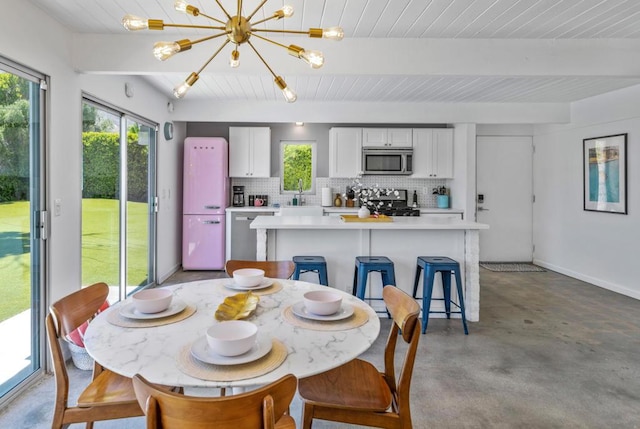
{"x": 297, "y": 161}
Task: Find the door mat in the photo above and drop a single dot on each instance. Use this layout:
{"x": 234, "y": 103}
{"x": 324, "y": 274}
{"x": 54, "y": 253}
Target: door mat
{"x": 511, "y": 267}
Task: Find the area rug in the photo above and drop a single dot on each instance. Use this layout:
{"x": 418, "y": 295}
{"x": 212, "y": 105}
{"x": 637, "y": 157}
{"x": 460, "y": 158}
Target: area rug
{"x": 514, "y": 267}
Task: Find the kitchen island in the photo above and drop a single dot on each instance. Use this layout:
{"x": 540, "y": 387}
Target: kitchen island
{"x": 402, "y": 240}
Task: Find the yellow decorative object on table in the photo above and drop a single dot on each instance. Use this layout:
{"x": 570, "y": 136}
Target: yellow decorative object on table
{"x": 238, "y": 306}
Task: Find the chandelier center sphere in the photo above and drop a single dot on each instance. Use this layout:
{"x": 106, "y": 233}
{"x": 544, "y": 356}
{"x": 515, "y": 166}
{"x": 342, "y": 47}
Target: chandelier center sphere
{"x": 239, "y": 29}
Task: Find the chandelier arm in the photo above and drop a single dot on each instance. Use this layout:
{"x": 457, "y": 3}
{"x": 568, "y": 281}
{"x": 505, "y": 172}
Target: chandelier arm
{"x": 269, "y": 40}
{"x": 223, "y": 9}
{"x": 212, "y": 18}
{"x": 212, "y": 57}
{"x": 256, "y": 11}
{"x": 239, "y": 8}
{"x": 207, "y": 27}
{"x": 261, "y": 59}
{"x": 204, "y": 39}
{"x": 265, "y": 20}
{"x": 264, "y": 30}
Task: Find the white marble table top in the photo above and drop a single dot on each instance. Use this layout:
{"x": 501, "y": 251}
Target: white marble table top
{"x": 152, "y": 351}
{"x": 335, "y": 222}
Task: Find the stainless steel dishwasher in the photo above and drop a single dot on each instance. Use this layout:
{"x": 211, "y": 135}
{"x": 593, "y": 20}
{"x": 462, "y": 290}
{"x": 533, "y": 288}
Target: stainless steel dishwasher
{"x": 243, "y": 238}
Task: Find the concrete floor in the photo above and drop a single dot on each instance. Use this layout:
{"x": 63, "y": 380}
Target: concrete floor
{"x": 549, "y": 352}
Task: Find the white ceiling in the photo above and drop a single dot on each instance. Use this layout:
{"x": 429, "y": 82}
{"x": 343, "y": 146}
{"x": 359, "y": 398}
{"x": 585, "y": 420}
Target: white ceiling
{"x": 394, "y": 50}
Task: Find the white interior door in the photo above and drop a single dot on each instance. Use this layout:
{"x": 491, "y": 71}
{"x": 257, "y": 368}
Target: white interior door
{"x": 505, "y": 198}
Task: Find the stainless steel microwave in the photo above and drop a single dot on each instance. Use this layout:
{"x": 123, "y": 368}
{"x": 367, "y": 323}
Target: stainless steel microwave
{"x": 377, "y": 160}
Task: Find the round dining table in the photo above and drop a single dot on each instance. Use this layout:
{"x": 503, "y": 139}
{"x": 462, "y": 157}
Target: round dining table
{"x": 155, "y": 352}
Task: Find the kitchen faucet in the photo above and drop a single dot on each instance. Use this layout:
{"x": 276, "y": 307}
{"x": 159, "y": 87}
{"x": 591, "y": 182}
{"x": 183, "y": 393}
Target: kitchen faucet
{"x": 300, "y": 192}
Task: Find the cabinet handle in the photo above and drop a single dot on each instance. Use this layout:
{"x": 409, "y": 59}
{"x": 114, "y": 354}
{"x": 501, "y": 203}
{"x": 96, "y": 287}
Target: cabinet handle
{"x": 211, "y": 222}
{"x": 212, "y": 207}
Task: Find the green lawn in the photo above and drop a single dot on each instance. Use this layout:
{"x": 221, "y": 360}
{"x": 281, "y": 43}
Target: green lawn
{"x": 99, "y": 254}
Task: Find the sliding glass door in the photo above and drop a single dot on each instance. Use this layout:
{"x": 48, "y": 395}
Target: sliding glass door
{"x": 22, "y": 217}
{"x": 118, "y": 204}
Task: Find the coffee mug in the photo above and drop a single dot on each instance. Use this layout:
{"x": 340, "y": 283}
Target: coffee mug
{"x": 258, "y": 202}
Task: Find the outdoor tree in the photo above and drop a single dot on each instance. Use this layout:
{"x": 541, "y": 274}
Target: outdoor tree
{"x": 297, "y": 162}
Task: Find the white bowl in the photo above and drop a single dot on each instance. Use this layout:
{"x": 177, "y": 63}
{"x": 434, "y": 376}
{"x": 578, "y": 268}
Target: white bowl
{"x": 322, "y": 302}
{"x": 248, "y": 277}
{"x": 152, "y": 300}
{"x": 232, "y": 338}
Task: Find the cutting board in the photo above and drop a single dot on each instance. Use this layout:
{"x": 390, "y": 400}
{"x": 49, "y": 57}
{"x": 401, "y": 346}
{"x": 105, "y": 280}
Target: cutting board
{"x": 355, "y": 218}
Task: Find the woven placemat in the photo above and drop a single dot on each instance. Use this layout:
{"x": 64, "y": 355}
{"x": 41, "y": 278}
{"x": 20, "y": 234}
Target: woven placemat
{"x": 274, "y": 288}
{"x": 115, "y": 318}
{"x": 359, "y": 318}
{"x": 204, "y": 371}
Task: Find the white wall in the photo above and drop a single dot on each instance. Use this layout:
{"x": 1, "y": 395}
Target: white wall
{"x": 29, "y": 37}
{"x": 600, "y": 248}
{"x": 463, "y": 185}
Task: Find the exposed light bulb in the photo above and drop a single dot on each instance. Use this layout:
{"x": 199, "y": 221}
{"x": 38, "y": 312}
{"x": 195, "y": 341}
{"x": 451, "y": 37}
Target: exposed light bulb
{"x": 181, "y": 6}
{"x": 289, "y": 95}
{"x": 134, "y": 23}
{"x": 314, "y": 58}
{"x": 234, "y": 61}
{"x": 165, "y": 50}
{"x": 333, "y": 33}
{"x": 180, "y": 90}
{"x": 184, "y": 7}
{"x": 287, "y": 9}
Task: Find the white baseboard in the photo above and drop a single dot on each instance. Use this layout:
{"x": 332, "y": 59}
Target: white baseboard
{"x": 163, "y": 277}
{"x": 593, "y": 280}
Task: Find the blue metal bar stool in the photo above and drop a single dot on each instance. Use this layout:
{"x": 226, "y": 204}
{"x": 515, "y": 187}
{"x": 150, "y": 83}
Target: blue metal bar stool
{"x": 316, "y": 264}
{"x": 367, "y": 264}
{"x": 446, "y": 267}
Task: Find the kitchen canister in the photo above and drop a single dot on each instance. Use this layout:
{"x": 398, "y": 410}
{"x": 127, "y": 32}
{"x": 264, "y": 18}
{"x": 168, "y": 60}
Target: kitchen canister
{"x": 327, "y": 199}
{"x": 442, "y": 201}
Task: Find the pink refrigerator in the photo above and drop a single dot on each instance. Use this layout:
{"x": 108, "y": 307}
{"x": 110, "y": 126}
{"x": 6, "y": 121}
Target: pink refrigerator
{"x": 205, "y": 198}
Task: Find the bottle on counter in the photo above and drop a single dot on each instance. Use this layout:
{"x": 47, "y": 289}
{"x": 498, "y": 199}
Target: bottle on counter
{"x": 415, "y": 198}
{"x": 337, "y": 201}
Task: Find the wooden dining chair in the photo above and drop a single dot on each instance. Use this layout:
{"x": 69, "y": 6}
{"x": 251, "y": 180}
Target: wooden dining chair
{"x": 263, "y": 408}
{"x": 109, "y": 395}
{"x": 356, "y": 392}
{"x": 272, "y": 269}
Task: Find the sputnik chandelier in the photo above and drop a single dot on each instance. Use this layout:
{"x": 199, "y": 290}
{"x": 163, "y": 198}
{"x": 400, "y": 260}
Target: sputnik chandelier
{"x": 238, "y": 30}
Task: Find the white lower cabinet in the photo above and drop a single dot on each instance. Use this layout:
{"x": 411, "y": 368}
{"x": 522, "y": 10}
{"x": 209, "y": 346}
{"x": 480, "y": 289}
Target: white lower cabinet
{"x": 433, "y": 153}
{"x": 345, "y": 152}
{"x": 249, "y": 152}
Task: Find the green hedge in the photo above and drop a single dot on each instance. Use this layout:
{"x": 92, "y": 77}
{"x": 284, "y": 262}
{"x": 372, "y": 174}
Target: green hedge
{"x": 101, "y": 166}
{"x": 101, "y": 160}
{"x": 14, "y": 188}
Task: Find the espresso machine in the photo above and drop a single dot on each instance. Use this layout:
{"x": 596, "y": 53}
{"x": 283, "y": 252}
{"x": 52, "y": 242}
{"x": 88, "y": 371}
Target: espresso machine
{"x": 238, "y": 196}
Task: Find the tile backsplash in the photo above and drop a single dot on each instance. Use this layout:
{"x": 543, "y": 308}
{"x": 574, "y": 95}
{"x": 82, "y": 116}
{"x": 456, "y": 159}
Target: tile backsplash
{"x": 271, "y": 187}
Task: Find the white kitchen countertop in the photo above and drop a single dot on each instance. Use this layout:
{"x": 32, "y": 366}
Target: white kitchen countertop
{"x": 251, "y": 209}
{"x": 335, "y": 222}
{"x": 423, "y": 210}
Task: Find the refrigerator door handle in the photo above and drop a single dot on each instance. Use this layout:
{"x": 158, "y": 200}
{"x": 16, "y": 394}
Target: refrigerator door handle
{"x": 212, "y": 207}
{"x": 211, "y": 222}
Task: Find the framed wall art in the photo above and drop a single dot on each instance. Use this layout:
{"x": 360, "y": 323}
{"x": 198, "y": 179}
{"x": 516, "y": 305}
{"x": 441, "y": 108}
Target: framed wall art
{"x": 605, "y": 173}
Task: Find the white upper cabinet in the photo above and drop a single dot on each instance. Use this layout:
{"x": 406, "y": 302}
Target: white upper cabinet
{"x": 345, "y": 152}
{"x": 249, "y": 152}
{"x": 433, "y": 153}
{"x": 387, "y": 137}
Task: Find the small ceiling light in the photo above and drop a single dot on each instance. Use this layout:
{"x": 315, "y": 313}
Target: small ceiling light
{"x": 237, "y": 29}
{"x": 299, "y": 124}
